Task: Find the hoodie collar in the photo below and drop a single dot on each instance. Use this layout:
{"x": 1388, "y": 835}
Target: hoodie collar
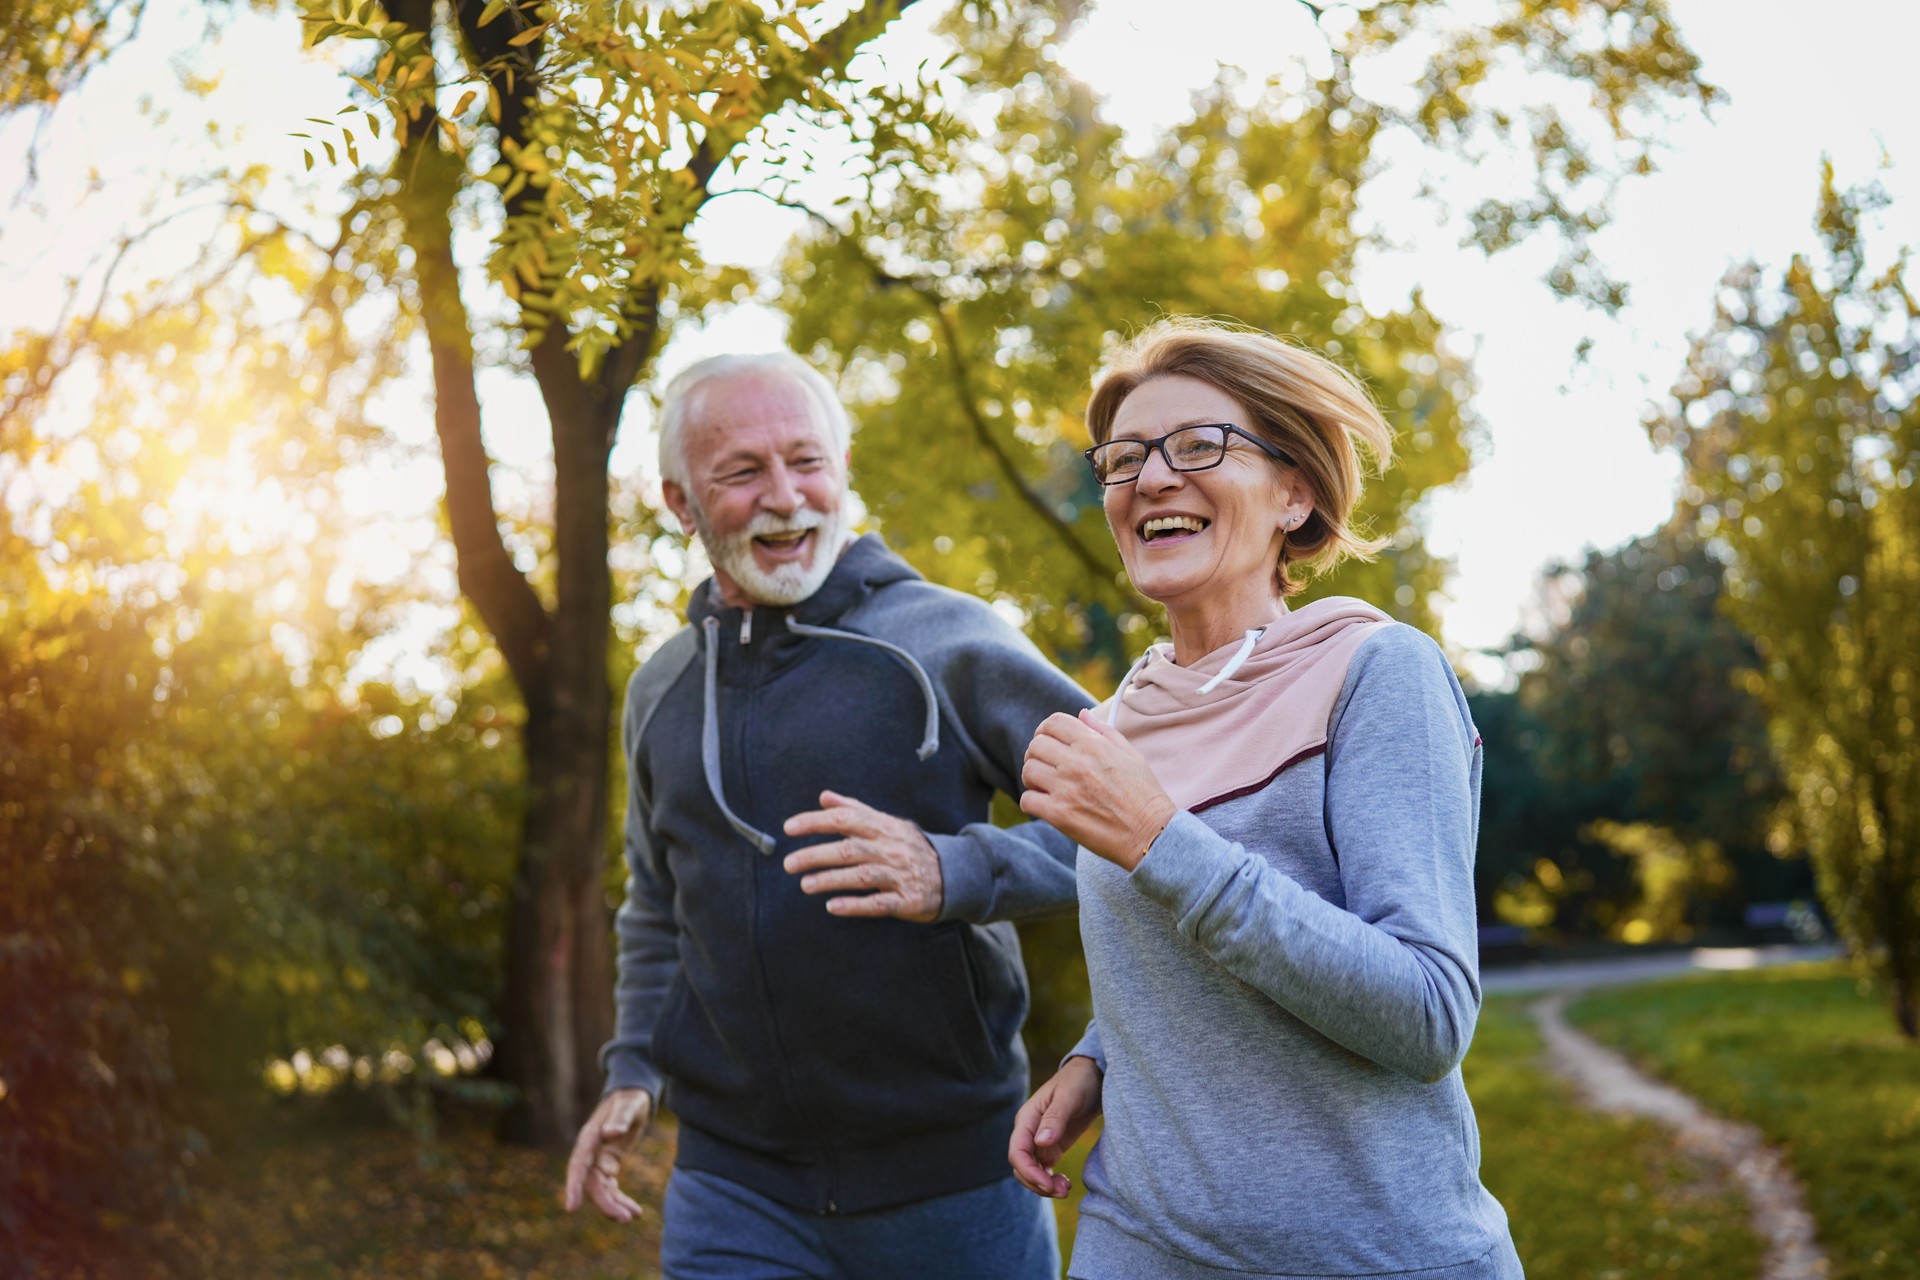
{"x": 1230, "y": 722}
{"x": 866, "y": 565}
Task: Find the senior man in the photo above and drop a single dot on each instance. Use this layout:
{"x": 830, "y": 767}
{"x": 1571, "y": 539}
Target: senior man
{"x": 829, "y": 998}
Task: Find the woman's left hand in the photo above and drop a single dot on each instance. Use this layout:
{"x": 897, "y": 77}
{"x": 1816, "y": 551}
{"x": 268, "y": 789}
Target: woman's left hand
{"x": 1085, "y": 779}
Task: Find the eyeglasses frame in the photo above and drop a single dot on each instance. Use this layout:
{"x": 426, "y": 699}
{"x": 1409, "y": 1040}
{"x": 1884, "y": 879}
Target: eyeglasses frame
{"x": 1160, "y": 442}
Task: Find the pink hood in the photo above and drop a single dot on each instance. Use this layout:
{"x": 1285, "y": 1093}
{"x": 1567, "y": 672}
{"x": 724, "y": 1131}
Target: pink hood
{"x": 1271, "y": 710}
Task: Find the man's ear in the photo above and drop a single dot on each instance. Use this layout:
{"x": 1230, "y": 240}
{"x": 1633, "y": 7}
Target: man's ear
{"x": 678, "y": 503}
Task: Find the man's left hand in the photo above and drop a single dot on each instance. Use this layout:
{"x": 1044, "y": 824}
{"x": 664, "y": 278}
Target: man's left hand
{"x": 880, "y": 866}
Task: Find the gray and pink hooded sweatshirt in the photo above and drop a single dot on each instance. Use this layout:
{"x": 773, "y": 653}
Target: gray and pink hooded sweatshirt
{"x": 1285, "y": 986}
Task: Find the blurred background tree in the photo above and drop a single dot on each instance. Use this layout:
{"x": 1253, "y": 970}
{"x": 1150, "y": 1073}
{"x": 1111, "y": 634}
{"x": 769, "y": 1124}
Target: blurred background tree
{"x": 1629, "y": 779}
{"x": 1798, "y": 424}
{"x": 217, "y": 852}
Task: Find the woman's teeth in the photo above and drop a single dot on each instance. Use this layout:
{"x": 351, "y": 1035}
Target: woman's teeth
{"x": 1161, "y": 525}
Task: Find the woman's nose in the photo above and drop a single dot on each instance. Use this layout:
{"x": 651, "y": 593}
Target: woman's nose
{"x": 1157, "y": 474}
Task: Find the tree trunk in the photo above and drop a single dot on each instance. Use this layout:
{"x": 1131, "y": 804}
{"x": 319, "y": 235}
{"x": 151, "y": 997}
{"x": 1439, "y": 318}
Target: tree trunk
{"x": 558, "y": 1004}
{"x": 559, "y": 999}
{"x": 558, "y": 960}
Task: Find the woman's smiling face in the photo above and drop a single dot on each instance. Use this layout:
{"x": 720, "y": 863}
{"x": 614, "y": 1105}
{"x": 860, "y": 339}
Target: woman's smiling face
{"x": 1215, "y": 535}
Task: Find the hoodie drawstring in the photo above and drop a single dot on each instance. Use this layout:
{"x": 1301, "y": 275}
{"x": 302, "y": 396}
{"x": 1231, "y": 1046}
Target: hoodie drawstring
{"x": 710, "y": 719}
{"x": 1238, "y": 660}
{"x": 930, "y": 738}
{"x": 710, "y": 743}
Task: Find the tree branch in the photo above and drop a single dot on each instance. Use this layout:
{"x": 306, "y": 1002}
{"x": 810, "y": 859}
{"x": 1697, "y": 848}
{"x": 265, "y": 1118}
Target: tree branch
{"x": 829, "y": 56}
{"x": 45, "y": 369}
{"x": 505, "y": 600}
{"x": 1101, "y": 571}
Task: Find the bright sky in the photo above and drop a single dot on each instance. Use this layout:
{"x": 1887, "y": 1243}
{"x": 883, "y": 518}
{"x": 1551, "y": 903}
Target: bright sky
{"x": 1565, "y": 465}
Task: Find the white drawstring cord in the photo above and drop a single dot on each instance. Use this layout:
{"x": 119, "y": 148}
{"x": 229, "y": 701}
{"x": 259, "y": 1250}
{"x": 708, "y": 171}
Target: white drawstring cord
{"x": 1113, "y": 711}
{"x": 1236, "y": 661}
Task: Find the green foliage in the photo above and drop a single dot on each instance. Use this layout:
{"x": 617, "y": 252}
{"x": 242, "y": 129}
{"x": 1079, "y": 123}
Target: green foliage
{"x": 1590, "y": 1196}
{"x": 1799, "y": 425}
{"x": 603, "y": 124}
{"x": 208, "y": 866}
{"x": 1634, "y": 71}
{"x": 1628, "y": 776}
{"x": 48, "y": 46}
{"x": 967, "y": 329}
{"x": 1805, "y": 1054}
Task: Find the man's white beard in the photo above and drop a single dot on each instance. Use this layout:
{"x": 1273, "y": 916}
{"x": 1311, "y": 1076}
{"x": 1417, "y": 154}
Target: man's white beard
{"x": 789, "y": 583}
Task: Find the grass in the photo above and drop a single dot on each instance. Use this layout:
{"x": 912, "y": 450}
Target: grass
{"x": 1817, "y": 1065}
{"x": 1589, "y": 1196}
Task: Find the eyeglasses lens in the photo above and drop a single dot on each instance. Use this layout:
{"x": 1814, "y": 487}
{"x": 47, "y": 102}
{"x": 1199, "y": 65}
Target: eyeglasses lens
{"x": 1196, "y": 447}
{"x": 1189, "y": 449}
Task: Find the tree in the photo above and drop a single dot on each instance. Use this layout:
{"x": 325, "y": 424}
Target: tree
{"x": 1628, "y": 775}
{"x": 592, "y": 134}
{"x": 968, "y": 303}
{"x": 1797, "y": 421}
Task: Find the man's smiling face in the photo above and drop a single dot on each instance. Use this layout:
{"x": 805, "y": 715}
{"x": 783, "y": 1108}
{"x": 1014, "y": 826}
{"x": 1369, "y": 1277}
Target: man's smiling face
{"x": 766, "y": 487}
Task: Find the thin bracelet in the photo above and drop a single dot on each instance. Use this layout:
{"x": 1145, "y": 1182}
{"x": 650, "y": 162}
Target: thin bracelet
{"x": 1147, "y": 848}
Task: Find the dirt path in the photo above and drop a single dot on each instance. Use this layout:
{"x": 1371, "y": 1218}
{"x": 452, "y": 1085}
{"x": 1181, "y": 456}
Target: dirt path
{"x": 1610, "y": 1083}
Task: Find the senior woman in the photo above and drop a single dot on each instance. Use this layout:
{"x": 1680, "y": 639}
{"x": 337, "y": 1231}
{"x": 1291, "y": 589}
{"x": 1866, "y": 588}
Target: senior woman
{"x": 1276, "y": 818}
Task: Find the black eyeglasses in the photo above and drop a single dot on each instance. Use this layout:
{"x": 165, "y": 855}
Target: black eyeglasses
{"x": 1193, "y": 448}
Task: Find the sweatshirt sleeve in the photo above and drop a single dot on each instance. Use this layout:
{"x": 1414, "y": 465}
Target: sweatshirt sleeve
{"x": 1394, "y": 976}
{"x": 1089, "y": 1047}
{"x": 990, "y": 873}
{"x": 998, "y": 686}
{"x": 648, "y": 940}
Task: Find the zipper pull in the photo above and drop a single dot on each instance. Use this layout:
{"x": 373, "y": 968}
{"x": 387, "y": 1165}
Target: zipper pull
{"x": 746, "y": 627}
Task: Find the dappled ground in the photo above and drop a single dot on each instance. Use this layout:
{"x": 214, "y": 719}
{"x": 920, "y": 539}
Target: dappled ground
{"x": 313, "y": 1191}
{"x": 365, "y": 1201}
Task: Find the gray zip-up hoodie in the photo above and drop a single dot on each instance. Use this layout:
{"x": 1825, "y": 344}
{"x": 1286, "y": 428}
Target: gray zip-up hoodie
{"x": 831, "y": 1063}
{"x": 1283, "y": 991}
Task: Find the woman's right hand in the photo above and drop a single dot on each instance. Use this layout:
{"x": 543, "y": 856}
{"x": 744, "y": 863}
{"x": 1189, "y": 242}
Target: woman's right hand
{"x": 1052, "y": 1121}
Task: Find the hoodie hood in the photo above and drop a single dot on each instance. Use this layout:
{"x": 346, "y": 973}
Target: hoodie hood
{"x": 866, "y": 565}
{"x": 1229, "y": 723}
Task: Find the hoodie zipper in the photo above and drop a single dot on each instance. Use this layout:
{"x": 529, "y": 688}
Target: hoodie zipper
{"x": 795, "y": 1095}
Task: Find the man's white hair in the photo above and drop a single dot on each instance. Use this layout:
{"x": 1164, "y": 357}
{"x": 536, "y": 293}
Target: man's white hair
{"x": 680, "y": 403}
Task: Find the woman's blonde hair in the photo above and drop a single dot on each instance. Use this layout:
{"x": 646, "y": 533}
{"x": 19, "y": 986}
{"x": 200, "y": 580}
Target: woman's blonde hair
{"x": 1297, "y": 399}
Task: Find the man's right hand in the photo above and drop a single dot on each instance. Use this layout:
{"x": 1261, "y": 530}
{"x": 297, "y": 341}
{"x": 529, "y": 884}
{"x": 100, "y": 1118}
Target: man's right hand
{"x": 1052, "y": 1121}
{"x": 606, "y": 1139}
